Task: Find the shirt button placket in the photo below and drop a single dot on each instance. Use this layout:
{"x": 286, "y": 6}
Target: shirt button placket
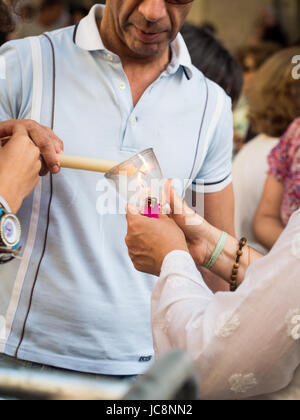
{"x": 134, "y": 121}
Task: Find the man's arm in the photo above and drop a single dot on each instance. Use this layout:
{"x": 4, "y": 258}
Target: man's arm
{"x": 219, "y": 212}
{"x": 216, "y": 203}
{"x": 219, "y": 209}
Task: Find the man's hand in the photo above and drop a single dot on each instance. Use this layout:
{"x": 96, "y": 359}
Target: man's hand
{"x": 43, "y": 137}
{"x": 20, "y": 165}
{"x": 150, "y": 240}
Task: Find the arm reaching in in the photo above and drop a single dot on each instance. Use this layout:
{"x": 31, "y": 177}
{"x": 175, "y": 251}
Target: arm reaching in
{"x": 44, "y": 138}
{"x": 246, "y": 344}
{"x": 20, "y": 165}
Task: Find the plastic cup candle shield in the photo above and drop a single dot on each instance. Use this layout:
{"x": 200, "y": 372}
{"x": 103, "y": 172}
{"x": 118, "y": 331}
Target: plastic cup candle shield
{"x": 139, "y": 181}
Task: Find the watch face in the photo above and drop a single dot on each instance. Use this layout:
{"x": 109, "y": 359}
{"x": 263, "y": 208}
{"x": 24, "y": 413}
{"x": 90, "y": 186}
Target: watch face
{"x": 10, "y": 230}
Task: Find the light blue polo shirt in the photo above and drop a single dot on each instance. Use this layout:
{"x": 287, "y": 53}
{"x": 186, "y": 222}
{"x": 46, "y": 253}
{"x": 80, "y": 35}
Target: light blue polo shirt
{"x": 75, "y": 300}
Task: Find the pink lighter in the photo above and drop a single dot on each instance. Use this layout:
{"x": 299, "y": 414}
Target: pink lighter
{"x": 152, "y": 208}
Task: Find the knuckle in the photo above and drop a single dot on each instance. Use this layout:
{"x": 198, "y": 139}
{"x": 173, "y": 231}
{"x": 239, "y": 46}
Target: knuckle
{"x": 42, "y": 143}
{"x": 48, "y": 129}
{"x": 31, "y": 124}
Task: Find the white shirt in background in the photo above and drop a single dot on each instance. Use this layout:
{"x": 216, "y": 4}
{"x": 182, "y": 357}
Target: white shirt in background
{"x": 250, "y": 170}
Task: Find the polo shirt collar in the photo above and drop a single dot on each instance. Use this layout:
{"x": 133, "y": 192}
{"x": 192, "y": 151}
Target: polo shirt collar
{"x": 88, "y": 38}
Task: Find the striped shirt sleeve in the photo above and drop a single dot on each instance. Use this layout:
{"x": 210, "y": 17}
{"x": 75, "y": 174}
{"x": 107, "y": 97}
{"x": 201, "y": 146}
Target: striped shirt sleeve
{"x": 215, "y": 174}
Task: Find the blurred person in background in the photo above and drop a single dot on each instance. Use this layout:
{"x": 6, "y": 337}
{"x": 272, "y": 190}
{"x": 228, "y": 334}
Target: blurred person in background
{"x": 269, "y": 28}
{"x": 210, "y": 56}
{"x": 6, "y": 22}
{"x": 48, "y": 19}
{"x": 274, "y": 101}
{"x": 281, "y": 197}
{"x": 251, "y": 58}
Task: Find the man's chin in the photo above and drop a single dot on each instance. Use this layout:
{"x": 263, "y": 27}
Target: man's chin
{"x": 148, "y": 52}
{"x": 145, "y": 48}
{"x": 142, "y": 49}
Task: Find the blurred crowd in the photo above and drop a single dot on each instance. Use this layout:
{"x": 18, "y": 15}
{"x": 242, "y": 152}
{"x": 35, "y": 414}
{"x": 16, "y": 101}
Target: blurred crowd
{"x": 266, "y": 103}
{"x": 30, "y": 20}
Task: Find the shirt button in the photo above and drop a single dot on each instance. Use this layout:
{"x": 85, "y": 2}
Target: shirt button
{"x": 133, "y": 121}
{"x": 122, "y": 86}
{"x": 110, "y": 57}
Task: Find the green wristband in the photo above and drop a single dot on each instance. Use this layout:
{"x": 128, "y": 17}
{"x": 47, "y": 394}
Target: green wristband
{"x": 217, "y": 252}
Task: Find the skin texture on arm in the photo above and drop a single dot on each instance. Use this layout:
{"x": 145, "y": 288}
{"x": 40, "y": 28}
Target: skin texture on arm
{"x": 267, "y": 223}
{"x": 219, "y": 212}
{"x": 202, "y": 238}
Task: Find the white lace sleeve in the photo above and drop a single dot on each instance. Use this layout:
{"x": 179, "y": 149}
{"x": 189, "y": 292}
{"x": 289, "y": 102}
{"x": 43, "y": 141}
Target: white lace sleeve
{"x": 245, "y": 344}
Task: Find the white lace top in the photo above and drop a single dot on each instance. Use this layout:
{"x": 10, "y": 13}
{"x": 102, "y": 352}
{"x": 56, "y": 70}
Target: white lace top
{"x": 246, "y": 344}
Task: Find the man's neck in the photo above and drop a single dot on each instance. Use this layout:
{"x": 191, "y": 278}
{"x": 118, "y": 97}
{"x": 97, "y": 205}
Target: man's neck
{"x": 141, "y": 71}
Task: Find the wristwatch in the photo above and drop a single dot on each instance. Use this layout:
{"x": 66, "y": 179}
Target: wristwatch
{"x": 10, "y": 233}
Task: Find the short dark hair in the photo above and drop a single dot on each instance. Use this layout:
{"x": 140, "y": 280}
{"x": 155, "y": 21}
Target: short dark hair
{"x": 211, "y": 57}
{"x": 6, "y": 20}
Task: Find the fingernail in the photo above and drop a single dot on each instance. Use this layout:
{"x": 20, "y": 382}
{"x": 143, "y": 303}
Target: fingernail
{"x": 55, "y": 169}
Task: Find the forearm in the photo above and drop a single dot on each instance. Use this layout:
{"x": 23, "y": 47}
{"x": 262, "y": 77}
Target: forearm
{"x": 267, "y": 222}
{"x": 7, "y": 191}
{"x": 219, "y": 210}
{"x": 224, "y": 265}
{"x": 267, "y": 229}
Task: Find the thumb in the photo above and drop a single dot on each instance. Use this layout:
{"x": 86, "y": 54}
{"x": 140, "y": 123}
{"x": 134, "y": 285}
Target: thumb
{"x": 176, "y": 202}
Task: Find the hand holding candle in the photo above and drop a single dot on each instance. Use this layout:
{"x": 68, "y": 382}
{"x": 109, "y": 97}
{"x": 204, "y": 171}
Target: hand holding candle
{"x": 87, "y": 164}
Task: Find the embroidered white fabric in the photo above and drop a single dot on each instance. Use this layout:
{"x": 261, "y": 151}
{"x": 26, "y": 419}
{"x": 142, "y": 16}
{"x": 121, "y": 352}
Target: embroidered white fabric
{"x": 227, "y": 324}
{"x": 246, "y": 344}
{"x": 240, "y": 384}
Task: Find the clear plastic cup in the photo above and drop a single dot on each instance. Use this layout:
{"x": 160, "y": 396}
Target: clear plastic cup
{"x": 139, "y": 181}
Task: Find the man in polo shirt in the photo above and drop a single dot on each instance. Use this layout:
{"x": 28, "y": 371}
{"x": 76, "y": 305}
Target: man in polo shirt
{"x": 123, "y": 82}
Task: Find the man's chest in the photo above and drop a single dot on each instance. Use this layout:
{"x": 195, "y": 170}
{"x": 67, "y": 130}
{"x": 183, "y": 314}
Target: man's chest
{"x": 100, "y": 120}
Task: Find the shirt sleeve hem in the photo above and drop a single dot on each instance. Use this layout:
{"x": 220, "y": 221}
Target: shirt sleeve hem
{"x": 212, "y": 187}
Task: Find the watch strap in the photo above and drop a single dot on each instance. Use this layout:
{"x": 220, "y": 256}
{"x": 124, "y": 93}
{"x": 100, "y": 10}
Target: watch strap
{"x": 4, "y": 205}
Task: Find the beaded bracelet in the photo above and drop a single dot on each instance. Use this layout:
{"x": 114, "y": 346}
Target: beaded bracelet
{"x": 235, "y": 270}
